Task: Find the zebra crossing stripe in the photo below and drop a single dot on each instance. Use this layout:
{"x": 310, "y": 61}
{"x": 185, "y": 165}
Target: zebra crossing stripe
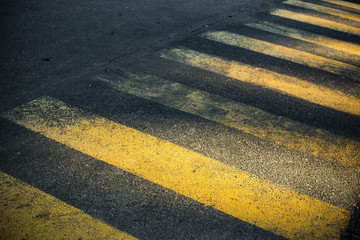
{"x": 323, "y": 9}
{"x": 248, "y": 119}
{"x": 28, "y": 213}
{"x": 344, "y": 4}
{"x": 316, "y": 21}
{"x": 293, "y": 55}
{"x": 242, "y": 195}
{"x": 307, "y": 36}
{"x": 289, "y": 85}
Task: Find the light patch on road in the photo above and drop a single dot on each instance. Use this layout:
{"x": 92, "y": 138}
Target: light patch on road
{"x": 242, "y": 195}
{"x": 308, "y": 37}
{"x": 323, "y": 9}
{"x": 248, "y": 119}
{"x": 316, "y": 21}
{"x": 289, "y": 54}
{"x": 344, "y": 4}
{"x": 28, "y": 213}
{"x": 289, "y": 85}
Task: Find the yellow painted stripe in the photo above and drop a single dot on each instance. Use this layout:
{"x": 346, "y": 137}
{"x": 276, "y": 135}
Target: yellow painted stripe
{"x": 317, "y": 21}
{"x": 248, "y": 119}
{"x": 323, "y": 9}
{"x": 344, "y": 4}
{"x": 289, "y": 54}
{"x": 28, "y": 213}
{"x": 307, "y": 36}
{"x": 286, "y": 84}
{"x": 206, "y": 180}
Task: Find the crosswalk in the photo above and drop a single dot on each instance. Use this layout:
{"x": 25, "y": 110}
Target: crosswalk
{"x": 325, "y": 23}
{"x": 243, "y": 117}
{"x": 289, "y": 54}
{"x": 308, "y": 37}
{"x": 245, "y": 73}
{"x": 344, "y": 3}
{"x": 42, "y": 216}
{"x": 285, "y": 209}
{"x": 323, "y": 9}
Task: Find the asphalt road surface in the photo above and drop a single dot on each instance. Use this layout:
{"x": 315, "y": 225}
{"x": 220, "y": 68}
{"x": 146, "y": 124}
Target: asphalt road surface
{"x": 180, "y": 120}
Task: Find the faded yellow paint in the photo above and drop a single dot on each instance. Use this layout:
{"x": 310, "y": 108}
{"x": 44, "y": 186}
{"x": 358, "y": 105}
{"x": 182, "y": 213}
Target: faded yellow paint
{"x": 344, "y": 4}
{"x": 323, "y": 9}
{"x": 286, "y": 53}
{"x": 249, "y": 119}
{"x": 307, "y": 36}
{"x": 317, "y": 21}
{"x": 206, "y": 180}
{"x": 28, "y": 213}
{"x": 290, "y": 85}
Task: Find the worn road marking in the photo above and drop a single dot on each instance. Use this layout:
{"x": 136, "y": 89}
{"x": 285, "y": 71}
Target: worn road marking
{"x": 344, "y": 4}
{"x": 316, "y": 21}
{"x": 28, "y": 213}
{"x": 307, "y": 36}
{"x": 249, "y": 119}
{"x": 323, "y": 9}
{"x": 206, "y": 180}
{"x": 286, "y": 84}
{"x": 289, "y": 54}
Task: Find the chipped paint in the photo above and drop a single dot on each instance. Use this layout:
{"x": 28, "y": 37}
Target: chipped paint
{"x": 29, "y": 213}
{"x": 233, "y": 191}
